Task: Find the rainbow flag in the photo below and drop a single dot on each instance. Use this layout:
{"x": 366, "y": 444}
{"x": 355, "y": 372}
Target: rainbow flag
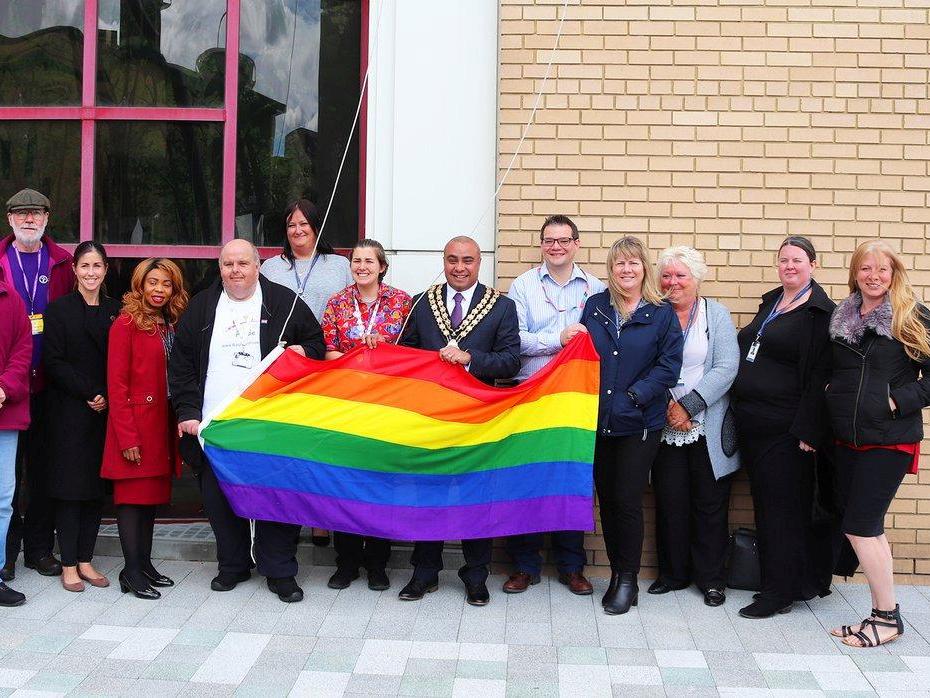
{"x": 395, "y": 443}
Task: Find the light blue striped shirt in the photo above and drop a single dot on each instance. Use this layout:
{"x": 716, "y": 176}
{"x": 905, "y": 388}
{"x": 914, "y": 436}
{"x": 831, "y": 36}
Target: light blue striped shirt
{"x": 544, "y": 309}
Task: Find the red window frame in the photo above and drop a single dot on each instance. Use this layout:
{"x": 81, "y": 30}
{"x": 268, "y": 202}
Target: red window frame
{"x": 89, "y": 113}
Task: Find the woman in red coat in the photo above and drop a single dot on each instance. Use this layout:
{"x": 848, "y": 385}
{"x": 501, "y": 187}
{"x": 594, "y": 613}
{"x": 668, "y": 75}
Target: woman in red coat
{"x": 140, "y": 455}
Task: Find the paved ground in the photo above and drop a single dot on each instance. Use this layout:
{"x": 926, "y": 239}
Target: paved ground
{"x": 543, "y": 642}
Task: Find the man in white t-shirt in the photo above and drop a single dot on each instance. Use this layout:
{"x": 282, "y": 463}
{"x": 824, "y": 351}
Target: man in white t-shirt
{"x": 227, "y": 330}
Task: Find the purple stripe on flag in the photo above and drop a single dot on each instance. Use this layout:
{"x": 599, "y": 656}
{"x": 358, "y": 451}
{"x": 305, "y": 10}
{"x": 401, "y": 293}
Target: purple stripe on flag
{"x": 490, "y": 520}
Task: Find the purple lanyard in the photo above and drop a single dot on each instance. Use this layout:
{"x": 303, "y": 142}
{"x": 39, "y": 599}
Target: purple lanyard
{"x": 35, "y": 281}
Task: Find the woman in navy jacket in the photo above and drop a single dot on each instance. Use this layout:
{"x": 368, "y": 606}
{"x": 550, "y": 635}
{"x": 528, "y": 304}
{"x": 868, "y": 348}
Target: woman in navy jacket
{"x": 639, "y": 340}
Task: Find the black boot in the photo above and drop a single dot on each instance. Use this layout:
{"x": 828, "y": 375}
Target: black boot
{"x": 627, "y": 595}
{"x": 611, "y": 589}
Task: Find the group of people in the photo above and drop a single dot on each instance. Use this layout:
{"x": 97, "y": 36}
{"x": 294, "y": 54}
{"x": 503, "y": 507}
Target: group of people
{"x": 807, "y": 395}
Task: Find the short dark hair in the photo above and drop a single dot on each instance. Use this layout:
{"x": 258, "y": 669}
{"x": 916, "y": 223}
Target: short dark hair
{"x": 803, "y": 243}
{"x": 559, "y": 219}
{"x": 379, "y": 253}
{"x": 312, "y": 214}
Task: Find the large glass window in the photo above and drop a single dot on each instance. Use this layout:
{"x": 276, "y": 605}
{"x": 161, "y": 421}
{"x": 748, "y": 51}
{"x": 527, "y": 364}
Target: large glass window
{"x": 158, "y": 53}
{"x": 298, "y": 89}
{"x": 41, "y": 48}
{"x": 45, "y": 155}
{"x": 158, "y": 182}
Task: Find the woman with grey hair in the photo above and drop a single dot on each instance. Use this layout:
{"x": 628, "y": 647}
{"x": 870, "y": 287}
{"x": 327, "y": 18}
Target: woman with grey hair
{"x": 697, "y": 451}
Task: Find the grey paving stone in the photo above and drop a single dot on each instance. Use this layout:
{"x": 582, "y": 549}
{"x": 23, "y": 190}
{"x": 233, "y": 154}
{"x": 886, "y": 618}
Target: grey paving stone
{"x": 96, "y": 685}
{"x": 631, "y": 657}
{"x": 373, "y": 684}
{"x": 624, "y": 691}
{"x": 526, "y": 688}
{"x": 170, "y": 670}
{"x": 681, "y": 676}
{"x": 878, "y": 662}
{"x": 543, "y": 671}
{"x": 582, "y": 655}
{"x": 54, "y": 682}
{"x": 474, "y": 669}
{"x": 793, "y": 680}
{"x": 433, "y": 686}
{"x": 528, "y": 633}
{"x": 430, "y": 667}
{"x": 536, "y": 654}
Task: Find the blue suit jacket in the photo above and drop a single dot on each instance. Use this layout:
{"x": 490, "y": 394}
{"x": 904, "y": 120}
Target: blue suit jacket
{"x": 494, "y": 344}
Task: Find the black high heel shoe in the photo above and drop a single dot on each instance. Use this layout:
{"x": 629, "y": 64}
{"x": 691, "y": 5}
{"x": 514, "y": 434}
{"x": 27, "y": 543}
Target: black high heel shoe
{"x": 627, "y": 595}
{"x": 157, "y": 579}
{"x": 126, "y": 586}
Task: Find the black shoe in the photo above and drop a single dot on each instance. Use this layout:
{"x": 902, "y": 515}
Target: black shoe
{"x": 8, "y": 572}
{"x": 765, "y": 607}
{"x": 227, "y": 581}
{"x": 378, "y": 580}
{"x": 146, "y": 592}
{"x": 611, "y": 588}
{"x": 46, "y": 565}
{"x": 416, "y": 589}
{"x": 342, "y": 578}
{"x": 158, "y": 580}
{"x": 286, "y": 588}
{"x": 9, "y": 597}
{"x": 477, "y": 594}
{"x": 660, "y": 586}
{"x": 321, "y": 541}
{"x": 627, "y": 595}
{"x": 714, "y": 597}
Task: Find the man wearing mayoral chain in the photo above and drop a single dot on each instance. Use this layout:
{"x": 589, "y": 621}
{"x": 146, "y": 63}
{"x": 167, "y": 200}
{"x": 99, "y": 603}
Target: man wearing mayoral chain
{"x": 476, "y": 327}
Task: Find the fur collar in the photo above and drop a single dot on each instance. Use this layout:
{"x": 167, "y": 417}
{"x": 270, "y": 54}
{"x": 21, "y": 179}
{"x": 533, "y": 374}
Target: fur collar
{"x": 846, "y": 323}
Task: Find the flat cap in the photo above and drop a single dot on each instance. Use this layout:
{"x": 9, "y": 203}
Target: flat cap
{"x": 27, "y": 198}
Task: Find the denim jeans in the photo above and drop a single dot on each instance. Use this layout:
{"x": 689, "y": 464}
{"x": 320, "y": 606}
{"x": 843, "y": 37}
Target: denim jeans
{"x": 8, "y": 441}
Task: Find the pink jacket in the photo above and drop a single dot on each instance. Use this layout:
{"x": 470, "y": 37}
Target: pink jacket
{"x": 15, "y": 357}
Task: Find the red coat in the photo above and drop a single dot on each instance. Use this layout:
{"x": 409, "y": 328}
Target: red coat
{"x": 15, "y": 357}
{"x": 139, "y": 413}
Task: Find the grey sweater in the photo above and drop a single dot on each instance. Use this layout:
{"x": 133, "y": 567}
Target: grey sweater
{"x": 330, "y": 275}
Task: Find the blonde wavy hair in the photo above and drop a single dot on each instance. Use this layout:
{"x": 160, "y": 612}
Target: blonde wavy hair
{"x": 632, "y": 248}
{"x": 134, "y": 299}
{"x": 906, "y": 324}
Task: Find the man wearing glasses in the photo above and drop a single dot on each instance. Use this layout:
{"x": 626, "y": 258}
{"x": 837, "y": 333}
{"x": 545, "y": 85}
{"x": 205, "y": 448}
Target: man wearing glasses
{"x": 549, "y": 301}
{"x": 40, "y": 271}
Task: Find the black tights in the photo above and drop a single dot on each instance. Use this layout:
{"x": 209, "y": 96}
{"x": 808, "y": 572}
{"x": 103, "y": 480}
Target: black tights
{"x": 77, "y": 523}
{"x": 136, "y": 523}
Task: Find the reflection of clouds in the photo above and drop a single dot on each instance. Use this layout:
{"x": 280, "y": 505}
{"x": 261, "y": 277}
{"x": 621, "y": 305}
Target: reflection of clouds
{"x": 19, "y": 17}
{"x": 266, "y": 33}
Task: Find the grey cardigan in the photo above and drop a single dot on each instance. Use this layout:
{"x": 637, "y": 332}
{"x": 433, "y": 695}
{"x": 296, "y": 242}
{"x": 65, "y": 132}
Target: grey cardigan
{"x": 711, "y": 394}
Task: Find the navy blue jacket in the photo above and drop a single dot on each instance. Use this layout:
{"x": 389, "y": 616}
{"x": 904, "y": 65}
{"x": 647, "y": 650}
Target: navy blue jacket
{"x": 494, "y": 344}
{"x": 645, "y": 361}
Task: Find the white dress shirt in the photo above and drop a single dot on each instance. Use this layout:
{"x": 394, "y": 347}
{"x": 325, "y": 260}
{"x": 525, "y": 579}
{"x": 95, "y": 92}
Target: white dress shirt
{"x": 466, "y": 298}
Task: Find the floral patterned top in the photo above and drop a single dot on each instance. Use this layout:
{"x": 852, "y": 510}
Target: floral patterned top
{"x": 343, "y": 328}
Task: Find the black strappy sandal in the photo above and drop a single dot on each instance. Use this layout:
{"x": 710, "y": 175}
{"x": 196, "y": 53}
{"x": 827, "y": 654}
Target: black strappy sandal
{"x": 889, "y": 619}
{"x": 847, "y": 630}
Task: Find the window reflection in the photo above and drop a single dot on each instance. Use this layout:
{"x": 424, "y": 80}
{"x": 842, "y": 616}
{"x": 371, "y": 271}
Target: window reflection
{"x": 44, "y": 155}
{"x": 298, "y": 89}
{"x": 158, "y": 183}
{"x": 41, "y": 47}
{"x": 161, "y": 52}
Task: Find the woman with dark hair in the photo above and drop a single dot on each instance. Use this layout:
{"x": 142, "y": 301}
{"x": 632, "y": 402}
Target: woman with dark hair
{"x": 367, "y": 312}
{"x": 879, "y": 383}
{"x": 77, "y": 328}
{"x": 778, "y": 401}
{"x": 140, "y": 453}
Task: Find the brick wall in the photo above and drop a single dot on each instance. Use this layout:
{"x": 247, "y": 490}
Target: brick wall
{"x": 726, "y": 126}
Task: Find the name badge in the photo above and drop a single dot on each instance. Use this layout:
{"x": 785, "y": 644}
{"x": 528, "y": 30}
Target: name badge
{"x": 38, "y": 323}
{"x": 753, "y": 351}
{"x": 243, "y": 359}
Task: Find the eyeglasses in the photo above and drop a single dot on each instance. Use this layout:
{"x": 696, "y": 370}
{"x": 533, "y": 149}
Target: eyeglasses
{"x": 563, "y": 242}
{"x": 23, "y": 214}
{"x": 294, "y": 226}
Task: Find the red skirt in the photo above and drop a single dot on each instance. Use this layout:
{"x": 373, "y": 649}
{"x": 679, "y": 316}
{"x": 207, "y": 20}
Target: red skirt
{"x": 142, "y": 490}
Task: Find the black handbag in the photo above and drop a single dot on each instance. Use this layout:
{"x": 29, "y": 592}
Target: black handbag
{"x": 744, "y": 570}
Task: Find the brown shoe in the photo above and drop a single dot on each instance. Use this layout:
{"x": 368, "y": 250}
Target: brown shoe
{"x": 100, "y": 582}
{"x": 72, "y": 586}
{"x": 521, "y": 581}
{"x": 576, "y": 583}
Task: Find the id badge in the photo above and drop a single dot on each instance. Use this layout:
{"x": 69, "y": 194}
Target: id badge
{"x": 38, "y": 323}
{"x": 243, "y": 360}
{"x": 753, "y": 351}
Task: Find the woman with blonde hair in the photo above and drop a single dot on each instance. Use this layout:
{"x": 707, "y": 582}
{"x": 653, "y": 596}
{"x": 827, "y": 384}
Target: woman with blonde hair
{"x": 140, "y": 454}
{"x": 639, "y": 340}
{"x": 879, "y": 382}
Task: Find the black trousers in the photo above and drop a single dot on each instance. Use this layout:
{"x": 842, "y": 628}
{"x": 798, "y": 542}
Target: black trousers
{"x": 691, "y": 516}
{"x": 354, "y": 551}
{"x": 795, "y": 554}
{"x": 78, "y": 523}
{"x": 275, "y": 543}
{"x": 427, "y": 560}
{"x": 621, "y": 471}
{"x": 32, "y": 525}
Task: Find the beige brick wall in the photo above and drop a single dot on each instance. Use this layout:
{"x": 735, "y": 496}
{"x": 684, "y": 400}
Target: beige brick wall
{"x": 726, "y": 126}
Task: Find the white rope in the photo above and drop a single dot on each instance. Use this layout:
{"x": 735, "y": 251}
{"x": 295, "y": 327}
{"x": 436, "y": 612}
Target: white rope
{"x": 516, "y": 152}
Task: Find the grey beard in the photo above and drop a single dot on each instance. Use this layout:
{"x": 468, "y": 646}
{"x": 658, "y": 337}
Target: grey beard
{"x": 28, "y": 238}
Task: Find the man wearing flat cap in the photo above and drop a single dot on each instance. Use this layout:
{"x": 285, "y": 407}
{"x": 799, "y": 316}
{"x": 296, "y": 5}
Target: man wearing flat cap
{"x": 40, "y": 271}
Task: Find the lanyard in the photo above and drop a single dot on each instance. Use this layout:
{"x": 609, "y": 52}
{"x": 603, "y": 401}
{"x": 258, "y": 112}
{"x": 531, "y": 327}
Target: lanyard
{"x": 619, "y": 322}
{"x": 35, "y": 281}
{"x": 371, "y": 318}
{"x": 302, "y": 284}
{"x": 691, "y": 316}
{"x": 584, "y": 298}
{"x": 776, "y": 312}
